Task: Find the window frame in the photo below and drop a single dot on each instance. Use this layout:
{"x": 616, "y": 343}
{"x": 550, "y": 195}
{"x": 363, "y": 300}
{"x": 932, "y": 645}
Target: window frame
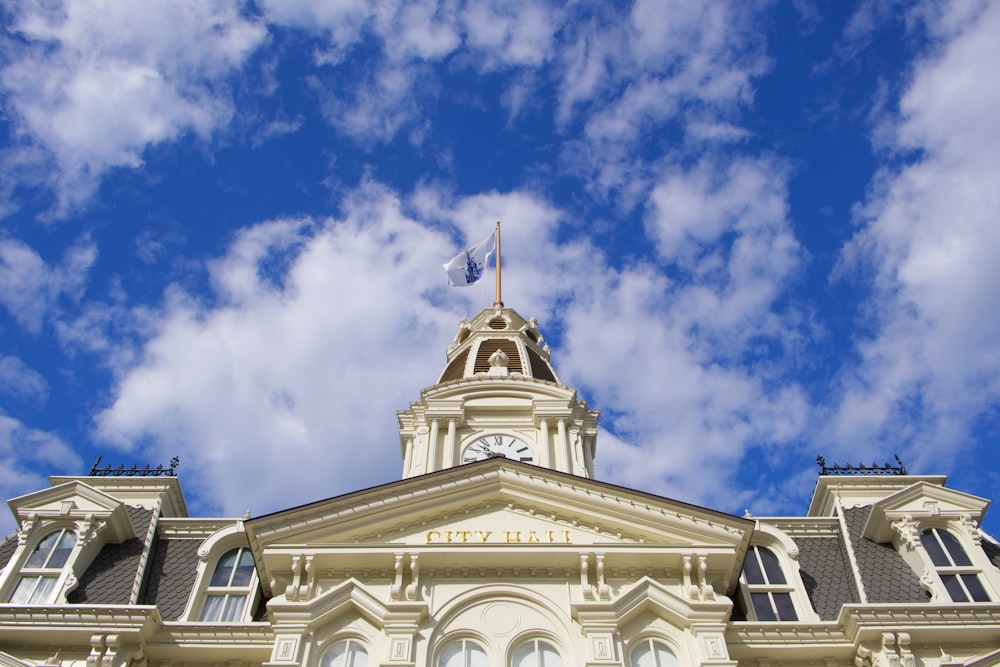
{"x": 754, "y": 590}
{"x": 212, "y": 551}
{"x": 462, "y": 639}
{"x": 227, "y": 593}
{"x": 535, "y": 641}
{"x": 652, "y": 642}
{"x": 349, "y": 642}
{"x": 39, "y": 573}
{"x": 950, "y": 570}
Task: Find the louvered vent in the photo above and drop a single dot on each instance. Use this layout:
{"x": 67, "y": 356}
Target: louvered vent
{"x": 456, "y": 369}
{"x": 488, "y": 347}
{"x": 539, "y": 369}
{"x": 498, "y": 324}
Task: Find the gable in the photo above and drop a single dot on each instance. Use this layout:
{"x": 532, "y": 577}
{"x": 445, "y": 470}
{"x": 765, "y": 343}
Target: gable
{"x": 502, "y": 498}
{"x": 921, "y": 500}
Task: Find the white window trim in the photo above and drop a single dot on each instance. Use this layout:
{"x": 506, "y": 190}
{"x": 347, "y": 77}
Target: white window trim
{"x": 325, "y": 649}
{"x": 645, "y": 638}
{"x": 967, "y": 533}
{"x": 214, "y": 548}
{"x": 466, "y": 636}
{"x": 787, "y": 553}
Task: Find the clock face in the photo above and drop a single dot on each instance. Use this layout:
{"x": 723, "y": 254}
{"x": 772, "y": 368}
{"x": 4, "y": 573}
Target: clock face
{"x": 498, "y": 445}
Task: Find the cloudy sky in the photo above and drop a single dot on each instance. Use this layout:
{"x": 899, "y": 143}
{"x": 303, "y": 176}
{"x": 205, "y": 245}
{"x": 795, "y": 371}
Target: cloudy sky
{"x": 752, "y": 233}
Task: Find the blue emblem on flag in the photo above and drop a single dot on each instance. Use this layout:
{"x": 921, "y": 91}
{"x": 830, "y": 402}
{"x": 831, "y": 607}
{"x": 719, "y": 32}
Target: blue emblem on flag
{"x": 473, "y": 270}
{"x": 468, "y": 266}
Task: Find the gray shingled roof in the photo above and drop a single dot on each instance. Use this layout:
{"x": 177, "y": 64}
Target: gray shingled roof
{"x": 171, "y": 575}
{"x": 828, "y": 581}
{"x": 884, "y": 573}
{"x": 992, "y": 550}
{"x": 110, "y": 578}
{"x": 7, "y": 548}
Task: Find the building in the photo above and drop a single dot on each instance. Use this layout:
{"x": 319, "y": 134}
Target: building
{"x": 497, "y": 547}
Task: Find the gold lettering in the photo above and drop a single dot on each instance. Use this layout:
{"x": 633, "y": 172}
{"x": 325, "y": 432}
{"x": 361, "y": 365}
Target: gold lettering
{"x": 431, "y": 534}
{"x": 483, "y": 536}
{"x": 566, "y": 536}
{"x": 548, "y": 536}
{"x": 532, "y": 537}
{"x": 447, "y": 536}
{"x": 511, "y": 536}
{"x": 463, "y": 534}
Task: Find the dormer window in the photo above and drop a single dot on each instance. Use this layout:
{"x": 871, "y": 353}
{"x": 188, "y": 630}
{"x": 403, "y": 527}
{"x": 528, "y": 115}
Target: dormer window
{"x": 41, "y": 573}
{"x": 765, "y": 584}
{"x": 230, "y": 588}
{"x": 956, "y": 570}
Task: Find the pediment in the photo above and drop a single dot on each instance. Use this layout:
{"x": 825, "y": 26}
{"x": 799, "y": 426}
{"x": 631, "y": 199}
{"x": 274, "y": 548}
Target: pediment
{"x": 76, "y": 501}
{"x": 62, "y": 498}
{"x": 502, "y": 498}
{"x": 921, "y": 501}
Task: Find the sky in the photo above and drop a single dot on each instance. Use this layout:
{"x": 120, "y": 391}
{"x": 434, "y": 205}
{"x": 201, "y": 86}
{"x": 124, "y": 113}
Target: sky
{"x": 752, "y": 233}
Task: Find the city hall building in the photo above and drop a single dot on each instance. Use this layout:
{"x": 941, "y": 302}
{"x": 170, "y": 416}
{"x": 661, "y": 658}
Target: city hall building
{"x": 498, "y": 548}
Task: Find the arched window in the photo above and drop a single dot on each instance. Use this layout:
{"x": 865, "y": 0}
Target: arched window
{"x": 652, "y": 653}
{"x": 768, "y": 590}
{"x": 347, "y": 653}
{"x": 40, "y": 574}
{"x": 959, "y": 576}
{"x": 536, "y": 653}
{"x": 463, "y": 653}
{"x": 230, "y": 588}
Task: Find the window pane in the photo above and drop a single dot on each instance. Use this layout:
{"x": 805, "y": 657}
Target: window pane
{"x": 933, "y": 548}
{"x": 762, "y": 607}
{"x": 348, "y": 653}
{"x": 24, "y": 589}
{"x": 537, "y": 653}
{"x": 44, "y": 591}
{"x": 771, "y": 566}
{"x": 244, "y": 569}
{"x": 955, "y": 589}
{"x": 41, "y": 553}
{"x": 224, "y": 570}
{"x": 786, "y": 610}
{"x": 213, "y": 608}
{"x": 751, "y": 568}
{"x": 664, "y": 656}
{"x": 62, "y": 550}
{"x": 234, "y": 607}
{"x": 955, "y": 549}
{"x": 652, "y": 653}
{"x": 462, "y": 654}
{"x": 975, "y": 588}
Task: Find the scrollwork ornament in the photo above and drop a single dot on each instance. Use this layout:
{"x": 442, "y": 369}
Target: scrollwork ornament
{"x": 972, "y": 528}
{"x": 26, "y": 526}
{"x": 907, "y": 531}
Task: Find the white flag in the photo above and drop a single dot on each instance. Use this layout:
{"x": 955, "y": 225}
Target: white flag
{"x": 467, "y": 267}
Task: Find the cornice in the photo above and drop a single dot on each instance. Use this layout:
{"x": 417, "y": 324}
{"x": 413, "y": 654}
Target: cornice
{"x": 192, "y": 529}
{"x": 24, "y": 623}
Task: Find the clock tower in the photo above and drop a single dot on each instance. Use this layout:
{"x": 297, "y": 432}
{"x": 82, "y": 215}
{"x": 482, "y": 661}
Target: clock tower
{"x": 498, "y": 396}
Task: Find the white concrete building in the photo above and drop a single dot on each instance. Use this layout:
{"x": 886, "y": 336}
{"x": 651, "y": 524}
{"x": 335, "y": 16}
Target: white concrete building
{"x": 498, "y": 548}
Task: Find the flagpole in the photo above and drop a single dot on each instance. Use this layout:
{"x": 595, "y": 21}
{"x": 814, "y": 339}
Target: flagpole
{"x": 499, "y": 302}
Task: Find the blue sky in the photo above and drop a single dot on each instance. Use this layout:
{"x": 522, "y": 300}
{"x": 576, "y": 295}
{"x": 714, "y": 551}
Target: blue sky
{"x": 752, "y": 233}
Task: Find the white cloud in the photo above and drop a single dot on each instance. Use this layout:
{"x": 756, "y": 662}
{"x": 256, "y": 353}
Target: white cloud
{"x": 24, "y": 451}
{"x": 30, "y": 289}
{"x": 20, "y": 380}
{"x": 932, "y": 364}
{"x": 318, "y": 330}
{"x": 95, "y": 83}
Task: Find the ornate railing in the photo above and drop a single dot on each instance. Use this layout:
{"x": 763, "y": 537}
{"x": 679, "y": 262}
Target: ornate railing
{"x": 135, "y": 471}
{"x": 861, "y": 469}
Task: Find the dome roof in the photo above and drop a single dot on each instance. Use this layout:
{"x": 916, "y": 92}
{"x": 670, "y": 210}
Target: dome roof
{"x": 498, "y": 342}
